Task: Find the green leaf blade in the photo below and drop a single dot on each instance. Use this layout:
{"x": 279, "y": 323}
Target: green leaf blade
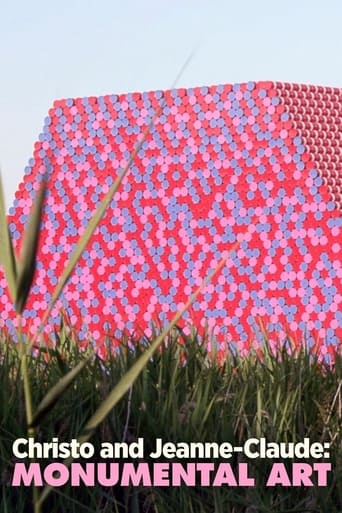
{"x": 129, "y": 378}
{"x": 132, "y": 374}
{"x": 7, "y": 254}
{"x": 56, "y": 392}
{"x": 95, "y": 219}
{"x": 27, "y": 261}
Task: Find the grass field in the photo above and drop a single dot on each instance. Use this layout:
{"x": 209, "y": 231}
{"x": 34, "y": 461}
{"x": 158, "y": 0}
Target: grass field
{"x": 183, "y": 394}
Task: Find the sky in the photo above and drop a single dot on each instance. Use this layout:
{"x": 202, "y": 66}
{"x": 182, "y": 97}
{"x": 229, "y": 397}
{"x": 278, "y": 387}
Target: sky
{"x": 76, "y": 48}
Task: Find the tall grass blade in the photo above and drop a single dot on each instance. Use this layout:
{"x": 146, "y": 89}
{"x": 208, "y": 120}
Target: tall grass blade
{"x": 93, "y": 223}
{"x": 128, "y": 379}
{"x": 7, "y": 255}
{"x": 56, "y": 392}
{"x": 132, "y": 374}
{"x": 82, "y": 243}
{"x": 27, "y": 260}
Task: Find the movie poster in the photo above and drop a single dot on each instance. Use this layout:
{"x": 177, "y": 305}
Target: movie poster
{"x": 170, "y": 267}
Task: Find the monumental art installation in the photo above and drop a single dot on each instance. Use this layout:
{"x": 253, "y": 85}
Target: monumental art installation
{"x": 259, "y": 163}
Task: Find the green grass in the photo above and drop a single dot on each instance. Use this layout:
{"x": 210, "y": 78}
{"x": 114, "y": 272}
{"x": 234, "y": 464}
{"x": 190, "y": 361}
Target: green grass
{"x": 182, "y": 394}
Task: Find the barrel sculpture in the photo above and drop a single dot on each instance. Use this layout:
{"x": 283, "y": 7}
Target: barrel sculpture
{"x": 258, "y": 163}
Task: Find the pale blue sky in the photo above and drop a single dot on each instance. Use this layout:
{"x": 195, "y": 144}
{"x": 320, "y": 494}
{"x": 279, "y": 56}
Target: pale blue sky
{"x": 71, "y": 48}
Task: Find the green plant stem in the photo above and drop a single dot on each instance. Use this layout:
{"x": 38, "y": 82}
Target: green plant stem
{"x": 25, "y": 376}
